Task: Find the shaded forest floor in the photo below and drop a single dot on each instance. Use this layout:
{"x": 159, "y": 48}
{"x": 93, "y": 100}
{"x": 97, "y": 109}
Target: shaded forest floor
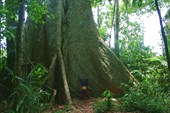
{"x": 84, "y": 106}
{"x": 80, "y": 106}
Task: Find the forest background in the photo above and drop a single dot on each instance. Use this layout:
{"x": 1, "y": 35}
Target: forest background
{"x": 113, "y": 22}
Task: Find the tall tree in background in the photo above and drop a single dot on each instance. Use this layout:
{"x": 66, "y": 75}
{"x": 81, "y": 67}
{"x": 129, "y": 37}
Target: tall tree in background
{"x": 109, "y": 19}
{"x": 1, "y": 6}
{"x": 167, "y": 27}
{"x": 71, "y": 36}
{"x": 1, "y": 16}
{"x": 116, "y": 28}
{"x": 163, "y": 35}
{"x": 20, "y": 27}
{"x": 112, "y": 23}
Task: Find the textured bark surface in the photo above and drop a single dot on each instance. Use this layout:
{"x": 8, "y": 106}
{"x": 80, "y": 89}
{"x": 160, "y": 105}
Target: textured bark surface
{"x": 84, "y": 53}
{"x": 19, "y": 31}
{"x": 116, "y": 28}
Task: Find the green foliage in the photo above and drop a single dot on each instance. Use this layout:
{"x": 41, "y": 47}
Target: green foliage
{"x": 106, "y": 105}
{"x": 60, "y": 111}
{"x": 103, "y": 33}
{"x": 151, "y": 95}
{"x": 38, "y": 75}
{"x": 137, "y": 3}
{"x": 104, "y": 19}
{"x": 28, "y": 95}
{"x": 146, "y": 6}
{"x": 10, "y": 10}
{"x": 144, "y": 64}
{"x": 132, "y": 49}
{"x": 167, "y": 16}
{"x": 107, "y": 94}
{"x": 8, "y": 15}
{"x": 95, "y": 2}
{"x": 100, "y": 107}
{"x": 147, "y": 97}
{"x": 36, "y": 10}
{"x": 140, "y": 60}
{"x": 2, "y": 64}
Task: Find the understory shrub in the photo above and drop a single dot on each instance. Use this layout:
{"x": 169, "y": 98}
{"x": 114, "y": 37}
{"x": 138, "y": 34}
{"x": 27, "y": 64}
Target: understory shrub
{"x": 28, "y": 95}
{"x": 106, "y": 105}
{"x": 147, "y": 98}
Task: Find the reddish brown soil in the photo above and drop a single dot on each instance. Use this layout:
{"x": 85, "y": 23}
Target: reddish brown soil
{"x": 81, "y": 106}
{"x": 84, "y": 106}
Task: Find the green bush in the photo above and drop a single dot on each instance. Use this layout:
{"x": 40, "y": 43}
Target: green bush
{"x": 28, "y": 95}
{"x": 147, "y": 98}
{"x": 106, "y": 105}
{"x": 60, "y": 111}
{"x": 100, "y": 106}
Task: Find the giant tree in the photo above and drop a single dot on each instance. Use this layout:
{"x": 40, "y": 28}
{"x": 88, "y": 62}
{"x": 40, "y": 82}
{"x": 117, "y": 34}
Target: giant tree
{"x": 68, "y": 44}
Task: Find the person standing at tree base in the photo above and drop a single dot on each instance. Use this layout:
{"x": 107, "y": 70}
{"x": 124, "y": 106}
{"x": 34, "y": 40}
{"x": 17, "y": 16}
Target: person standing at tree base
{"x": 84, "y": 89}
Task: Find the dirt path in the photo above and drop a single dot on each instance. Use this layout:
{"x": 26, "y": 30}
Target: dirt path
{"x": 84, "y": 106}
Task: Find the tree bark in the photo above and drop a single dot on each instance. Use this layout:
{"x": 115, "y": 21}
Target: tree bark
{"x": 63, "y": 71}
{"x": 73, "y": 31}
{"x": 51, "y": 71}
{"x": 19, "y": 32}
{"x": 163, "y": 36}
{"x": 98, "y": 17}
{"x": 116, "y": 28}
{"x": 112, "y": 24}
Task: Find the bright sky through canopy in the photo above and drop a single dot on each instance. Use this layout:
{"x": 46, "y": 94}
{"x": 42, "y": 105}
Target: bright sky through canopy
{"x": 152, "y": 35}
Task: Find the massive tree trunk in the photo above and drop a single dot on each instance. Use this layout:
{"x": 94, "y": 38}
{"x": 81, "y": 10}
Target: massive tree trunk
{"x": 73, "y": 31}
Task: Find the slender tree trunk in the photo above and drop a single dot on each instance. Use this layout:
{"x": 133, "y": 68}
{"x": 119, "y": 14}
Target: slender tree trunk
{"x": 113, "y": 22}
{"x": 19, "y": 32}
{"x": 1, "y": 15}
{"x": 163, "y": 36}
{"x": 116, "y": 29}
{"x": 98, "y": 17}
{"x": 63, "y": 71}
